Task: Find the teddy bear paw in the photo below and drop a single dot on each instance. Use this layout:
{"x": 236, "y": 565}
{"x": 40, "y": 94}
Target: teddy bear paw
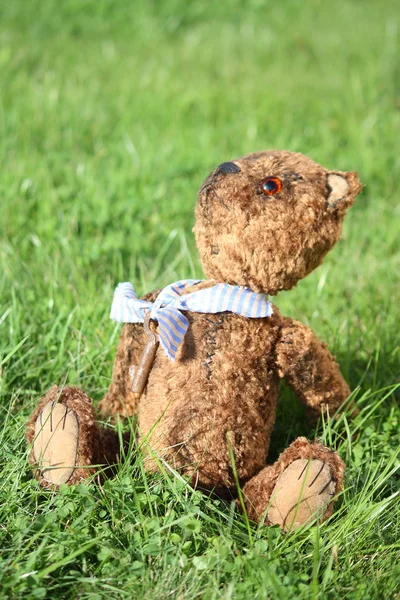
{"x": 56, "y": 440}
{"x": 302, "y": 493}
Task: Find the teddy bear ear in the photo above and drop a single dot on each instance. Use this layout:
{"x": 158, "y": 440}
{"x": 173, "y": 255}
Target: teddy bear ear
{"x": 342, "y": 190}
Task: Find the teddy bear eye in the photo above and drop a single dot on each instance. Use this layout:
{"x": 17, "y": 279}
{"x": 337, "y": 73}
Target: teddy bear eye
{"x": 271, "y": 186}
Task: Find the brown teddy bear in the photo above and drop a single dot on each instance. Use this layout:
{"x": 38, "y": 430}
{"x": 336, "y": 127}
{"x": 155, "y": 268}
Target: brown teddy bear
{"x": 200, "y": 362}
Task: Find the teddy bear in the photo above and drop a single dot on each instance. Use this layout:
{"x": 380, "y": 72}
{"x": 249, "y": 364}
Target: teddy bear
{"x": 199, "y": 362}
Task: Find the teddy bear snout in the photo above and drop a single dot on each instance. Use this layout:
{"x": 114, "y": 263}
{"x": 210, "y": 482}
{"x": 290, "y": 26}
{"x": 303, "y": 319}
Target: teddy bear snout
{"x": 227, "y": 168}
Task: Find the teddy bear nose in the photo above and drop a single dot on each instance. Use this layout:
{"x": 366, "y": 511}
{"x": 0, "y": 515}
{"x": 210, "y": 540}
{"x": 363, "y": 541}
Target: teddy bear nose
{"x": 227, "y": 167}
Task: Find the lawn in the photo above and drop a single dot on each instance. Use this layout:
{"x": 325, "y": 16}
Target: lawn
{"x": 111, "y": 115}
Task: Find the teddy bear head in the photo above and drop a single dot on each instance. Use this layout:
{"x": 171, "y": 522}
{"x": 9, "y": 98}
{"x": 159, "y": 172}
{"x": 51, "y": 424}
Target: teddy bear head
{"x": 266, "y": 220}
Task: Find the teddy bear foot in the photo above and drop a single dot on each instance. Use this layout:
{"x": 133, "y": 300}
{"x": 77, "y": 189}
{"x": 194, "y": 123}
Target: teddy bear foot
{"x": 302, "y": 493}
{"x": 55, "y": 446}
{"x": 299, "y": 488}
{"x": 64, "y": 437}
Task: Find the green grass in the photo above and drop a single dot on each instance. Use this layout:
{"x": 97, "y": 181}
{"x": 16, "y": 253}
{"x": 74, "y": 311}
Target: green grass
{"x": 111, "y": 114}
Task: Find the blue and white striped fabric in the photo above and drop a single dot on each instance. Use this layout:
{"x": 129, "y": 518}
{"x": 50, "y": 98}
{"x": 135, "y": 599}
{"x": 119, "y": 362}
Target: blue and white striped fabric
{"x": 172, "y": 323}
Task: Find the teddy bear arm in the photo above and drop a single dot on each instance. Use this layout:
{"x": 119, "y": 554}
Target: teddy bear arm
{"x": 120, "y": 399}
{"x": 310, "y": 369}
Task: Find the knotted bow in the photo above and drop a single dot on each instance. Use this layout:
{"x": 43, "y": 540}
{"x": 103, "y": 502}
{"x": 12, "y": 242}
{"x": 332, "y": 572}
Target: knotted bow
{"x": 172, "y": 324}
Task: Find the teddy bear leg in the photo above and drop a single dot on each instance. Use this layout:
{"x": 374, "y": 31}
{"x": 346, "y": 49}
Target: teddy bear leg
{"x": 67, "y": 446}
{"x": 300, "y": 486}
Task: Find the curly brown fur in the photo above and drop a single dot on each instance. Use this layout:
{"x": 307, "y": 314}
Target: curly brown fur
{"x": 217, "y": 402}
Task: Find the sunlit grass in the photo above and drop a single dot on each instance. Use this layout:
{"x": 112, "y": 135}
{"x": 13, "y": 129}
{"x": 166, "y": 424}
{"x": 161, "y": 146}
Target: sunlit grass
{"x": 111, "y": 114}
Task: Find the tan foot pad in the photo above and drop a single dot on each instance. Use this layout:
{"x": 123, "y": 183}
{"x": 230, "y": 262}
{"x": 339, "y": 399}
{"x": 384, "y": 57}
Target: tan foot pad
{"x": 302, "y": 492}
{"x": 56, "y": 442}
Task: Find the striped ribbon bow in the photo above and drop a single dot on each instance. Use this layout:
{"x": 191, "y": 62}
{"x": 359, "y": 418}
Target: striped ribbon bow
{"x": 172, "y": 324}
